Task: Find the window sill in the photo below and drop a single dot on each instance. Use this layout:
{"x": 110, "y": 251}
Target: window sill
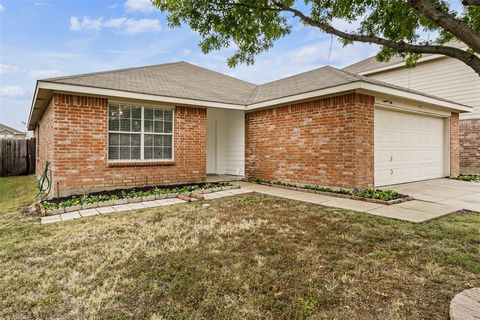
{"x": 140, "y": 163}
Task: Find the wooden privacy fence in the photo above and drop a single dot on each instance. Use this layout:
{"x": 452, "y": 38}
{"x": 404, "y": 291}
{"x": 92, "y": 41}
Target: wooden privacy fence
{"x": 17, "y": 157}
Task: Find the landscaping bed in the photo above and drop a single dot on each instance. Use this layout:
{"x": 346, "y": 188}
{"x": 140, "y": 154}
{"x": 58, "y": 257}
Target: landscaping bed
{"x": 386, "y": 197}
{"x": 124, "y": 196}
{"x": 467, "y": 177}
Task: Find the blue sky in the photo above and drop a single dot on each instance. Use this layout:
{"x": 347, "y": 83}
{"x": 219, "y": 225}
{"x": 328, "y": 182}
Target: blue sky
{"x": 41, "y": 39}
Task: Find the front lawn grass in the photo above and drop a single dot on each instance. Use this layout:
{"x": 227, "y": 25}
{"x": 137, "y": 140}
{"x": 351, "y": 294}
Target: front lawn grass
{"x": 244, "y": 257}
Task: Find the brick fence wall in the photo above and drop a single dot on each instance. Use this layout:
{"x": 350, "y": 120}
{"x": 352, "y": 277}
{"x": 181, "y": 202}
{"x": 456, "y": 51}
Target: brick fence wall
{"x": 470, "y": 146}
{"x": 81, "y": 155}
{"x": 327, "y": 142}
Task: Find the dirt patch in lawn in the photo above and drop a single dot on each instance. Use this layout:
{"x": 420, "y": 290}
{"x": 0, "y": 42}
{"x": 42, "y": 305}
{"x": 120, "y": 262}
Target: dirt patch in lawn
{"x": 248, "y": 256}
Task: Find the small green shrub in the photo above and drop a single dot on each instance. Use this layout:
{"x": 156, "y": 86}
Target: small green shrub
{"x": 370, "y": 193}
{"x": 127, "y": 194}
{"x": 471, "y": 177}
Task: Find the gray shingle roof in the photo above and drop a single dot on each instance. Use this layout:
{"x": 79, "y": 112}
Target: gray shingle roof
{"x": 179, "y": 79}
{"x": 184, "y": 80}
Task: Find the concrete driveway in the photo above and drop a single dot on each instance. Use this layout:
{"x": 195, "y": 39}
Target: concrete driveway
{"x": 453, "y": 193}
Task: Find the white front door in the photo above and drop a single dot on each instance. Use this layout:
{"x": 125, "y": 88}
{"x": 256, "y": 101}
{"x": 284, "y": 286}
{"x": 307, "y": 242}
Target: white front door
{"x": 408, "y": 147}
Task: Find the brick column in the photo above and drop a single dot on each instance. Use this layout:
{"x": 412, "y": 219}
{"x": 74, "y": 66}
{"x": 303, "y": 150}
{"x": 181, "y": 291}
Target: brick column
{"x": 454, "y": 145}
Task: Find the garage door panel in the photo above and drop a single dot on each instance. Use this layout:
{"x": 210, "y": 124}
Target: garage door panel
{"x": 408, "y": 147}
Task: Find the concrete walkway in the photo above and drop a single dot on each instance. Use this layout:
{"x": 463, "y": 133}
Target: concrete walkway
{"x": 412, "y": 211}
{"x": 454, "y": 193}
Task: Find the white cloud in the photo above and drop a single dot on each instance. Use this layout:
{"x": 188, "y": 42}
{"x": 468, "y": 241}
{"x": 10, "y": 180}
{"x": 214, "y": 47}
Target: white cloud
{"x": 75, "y": 24}
{"x": 114, "y": 23}
{"x": 42, "y": 4}
{"x": 12, "y": 91}
{"x": 142, "y": 25}
{"x": 86, "y": 24}
{"x": 144, "y": 6}
{"x": 2, "y": 8}
{"x": 44, "y": 73}
{"x": 7, "y": 68}
{"x": 185, "y": 52}
{"x": 128, "y": 26}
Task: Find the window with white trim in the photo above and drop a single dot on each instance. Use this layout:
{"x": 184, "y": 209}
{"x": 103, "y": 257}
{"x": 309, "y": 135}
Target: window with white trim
{"x": 139, "y": 133}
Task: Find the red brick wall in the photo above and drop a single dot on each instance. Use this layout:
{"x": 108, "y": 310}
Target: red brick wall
{"x": 327, "y": 142}
{"x": 470, "y": 146}
{"x": 454, "y": 145}
{"x": 80, "y": 147}
{"x": 44, "y": 139}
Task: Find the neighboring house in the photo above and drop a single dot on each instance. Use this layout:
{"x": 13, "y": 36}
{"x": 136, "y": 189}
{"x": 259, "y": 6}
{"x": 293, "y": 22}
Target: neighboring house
{"x": 443, "y": 77}
{"x": 175, "y": 123}
{"x": 7, "y": 132}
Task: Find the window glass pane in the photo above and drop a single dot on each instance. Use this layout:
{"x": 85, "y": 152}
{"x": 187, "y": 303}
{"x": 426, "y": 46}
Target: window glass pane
{"x": 158, "y": 116}
{"x": 135, "y": 140}
{"x": 113, "y": 139}
{"x": 148, "y": 113}
{"x": 113, "y": 111}
{"x": 167, "y": 153}
{"x": 113, "y": 124}
{"x": 157, "y": 153}
{"x": 158, "y": 126}
{"x": 168, "y": 115}
{"x": 158, "y": 141}
{"x": 135, "y": 153}
{"x": 148, "y": 126}
{"x": 148, "y": 140}
{"x": 168, "y": 127}
{"x": 136, "y": 113}
{"x": 125, "y": 140}
{"x": 124, "y": 153}
{"x": 148, "y": 152}
{"x": 124, "y": 124}
{"x": 124, "y": 112}
{"x": 167, "y": 141}
{"x": 136, "y": 125}
{"x": 113, "y": 153}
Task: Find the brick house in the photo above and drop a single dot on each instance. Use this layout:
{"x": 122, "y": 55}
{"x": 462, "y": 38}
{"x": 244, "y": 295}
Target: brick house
{"x": 178, "y": 123}
{"x": 443, "y": 77}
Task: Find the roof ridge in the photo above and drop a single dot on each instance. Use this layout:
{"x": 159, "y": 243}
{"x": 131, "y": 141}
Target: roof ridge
{"x": 294, "y": 75}
{"x": 220, "y": 73}
{"x": 112, "y": 71}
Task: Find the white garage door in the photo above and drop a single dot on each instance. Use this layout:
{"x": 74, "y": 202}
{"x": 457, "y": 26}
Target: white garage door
{"x": 408, "y": 147}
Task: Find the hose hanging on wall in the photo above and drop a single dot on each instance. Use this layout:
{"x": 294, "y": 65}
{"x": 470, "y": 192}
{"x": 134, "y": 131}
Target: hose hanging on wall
{"x": 45, "y": 181}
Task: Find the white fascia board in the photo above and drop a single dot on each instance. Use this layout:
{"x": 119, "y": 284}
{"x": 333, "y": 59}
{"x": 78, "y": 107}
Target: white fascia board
{"x": 305, "y": 96}
{"x": 414, "y": 96}
{"x": 134, "y": 95}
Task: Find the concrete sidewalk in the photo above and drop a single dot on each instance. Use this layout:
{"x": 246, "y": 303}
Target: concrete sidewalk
{"x": 412, "y": 211}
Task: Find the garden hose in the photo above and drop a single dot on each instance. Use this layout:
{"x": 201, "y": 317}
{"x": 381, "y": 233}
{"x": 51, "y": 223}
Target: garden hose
{"x": 45, "y": 181}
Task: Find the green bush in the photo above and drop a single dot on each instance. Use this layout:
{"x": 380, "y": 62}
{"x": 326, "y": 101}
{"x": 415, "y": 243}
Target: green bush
{"x": 471, "y": 177}
{"x": 370, "y": 193}
{"x": 127, "y": 194}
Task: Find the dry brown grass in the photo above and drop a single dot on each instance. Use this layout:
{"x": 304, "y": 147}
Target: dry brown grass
{"x": 248, "y": 256}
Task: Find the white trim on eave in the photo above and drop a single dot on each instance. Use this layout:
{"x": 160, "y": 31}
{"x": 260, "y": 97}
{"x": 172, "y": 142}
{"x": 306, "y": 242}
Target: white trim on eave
{"x": 373, "y": 89}
{"x": 357, "y": 86}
